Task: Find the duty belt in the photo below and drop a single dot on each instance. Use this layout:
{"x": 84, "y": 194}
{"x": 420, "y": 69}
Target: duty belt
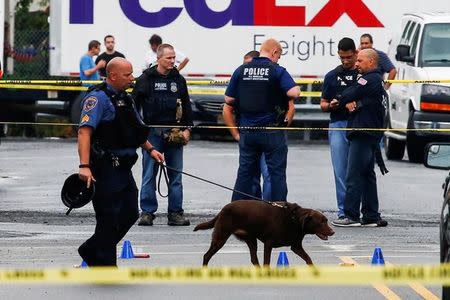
{"x": 100, "y": 156}
{"x": 123, "y": 162}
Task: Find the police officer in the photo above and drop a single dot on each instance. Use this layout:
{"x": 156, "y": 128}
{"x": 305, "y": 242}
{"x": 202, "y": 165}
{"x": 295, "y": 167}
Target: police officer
{"x": 264, "y": 90}
{"x": 365, "y": 103}
{"x": 231, "y": 118}
{"x": 335, "y": 82}
{"x": 162, "y": 93}
{"x": 109, "y": 133}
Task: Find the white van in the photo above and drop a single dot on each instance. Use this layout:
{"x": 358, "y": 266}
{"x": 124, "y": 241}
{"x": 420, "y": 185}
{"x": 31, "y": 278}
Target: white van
{"x": 421, "y": 52}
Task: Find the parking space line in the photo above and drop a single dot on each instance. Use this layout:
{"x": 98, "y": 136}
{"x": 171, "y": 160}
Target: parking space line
{"x": 386, "y": 292}
{"x": 420, "y": 289}
{"x": 423, "y": 291}
{"x": 381, "y": 288}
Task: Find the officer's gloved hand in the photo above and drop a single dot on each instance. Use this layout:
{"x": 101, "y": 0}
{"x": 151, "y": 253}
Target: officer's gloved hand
{"x": 175, "y": 137}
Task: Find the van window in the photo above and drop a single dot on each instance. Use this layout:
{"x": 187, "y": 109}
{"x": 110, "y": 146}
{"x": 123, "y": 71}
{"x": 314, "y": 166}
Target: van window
{"x": 409, "y": 33}
{"x": 405, "y": 31}
{"x": 414, "y": 41}
{"x": 435, "y": 50}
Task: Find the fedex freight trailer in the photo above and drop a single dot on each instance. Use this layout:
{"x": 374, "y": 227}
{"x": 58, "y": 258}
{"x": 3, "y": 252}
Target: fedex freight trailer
{"x": 215, "y": 34}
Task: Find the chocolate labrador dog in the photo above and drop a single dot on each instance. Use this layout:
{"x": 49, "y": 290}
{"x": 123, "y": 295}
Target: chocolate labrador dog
{"x": 276, "y": 224}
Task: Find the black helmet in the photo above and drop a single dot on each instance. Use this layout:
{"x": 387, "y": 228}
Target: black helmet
{"x": 75, "y": 194}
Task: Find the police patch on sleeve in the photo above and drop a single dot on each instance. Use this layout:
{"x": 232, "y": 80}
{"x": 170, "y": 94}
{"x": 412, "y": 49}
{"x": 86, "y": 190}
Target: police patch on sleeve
{"x": 84, "y": 119}
{"x": 362, "y": 81}
{"x": 90, "y": 103}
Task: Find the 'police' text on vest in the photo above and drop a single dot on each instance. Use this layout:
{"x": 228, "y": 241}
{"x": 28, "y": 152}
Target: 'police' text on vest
{"x": 256, "y": 73}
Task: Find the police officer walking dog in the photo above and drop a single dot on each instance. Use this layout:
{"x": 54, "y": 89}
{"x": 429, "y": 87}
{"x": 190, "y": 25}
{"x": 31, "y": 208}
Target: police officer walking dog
{"x": 110, "y": 131}
{"x": 162, "y": 93}
{"x": 364, "y": 101}
{"x": 261, "y": 91}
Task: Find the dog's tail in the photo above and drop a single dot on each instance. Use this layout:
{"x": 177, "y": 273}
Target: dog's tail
{"x": 206, "y": 225}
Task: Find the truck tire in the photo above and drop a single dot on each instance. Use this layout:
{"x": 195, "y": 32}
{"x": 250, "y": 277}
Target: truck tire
{"x": 394, "y": 149}
{"x": 3, "y": 130}
{"x": 446, "y": 293}
{"x": 75, "y": 109}
{"x": 414, "y": 145}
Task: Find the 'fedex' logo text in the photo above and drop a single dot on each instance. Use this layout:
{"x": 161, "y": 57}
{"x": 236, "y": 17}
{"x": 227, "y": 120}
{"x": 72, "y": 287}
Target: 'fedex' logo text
{"x": 239, "y": 12}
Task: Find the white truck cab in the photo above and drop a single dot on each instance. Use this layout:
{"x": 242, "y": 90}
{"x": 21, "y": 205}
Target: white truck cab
{"x": 422, "y": 53}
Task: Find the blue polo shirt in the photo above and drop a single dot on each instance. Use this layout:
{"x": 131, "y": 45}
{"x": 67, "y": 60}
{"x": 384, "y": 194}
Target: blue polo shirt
{"x": 86, "y": 63}
{"x": 284, "y": 80}
{"x": 384, "y": 63}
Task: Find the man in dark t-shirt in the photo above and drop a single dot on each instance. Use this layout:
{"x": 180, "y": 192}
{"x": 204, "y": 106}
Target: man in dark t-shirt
{"x": 335, "y": 82}
{"x": 109, "y": 54}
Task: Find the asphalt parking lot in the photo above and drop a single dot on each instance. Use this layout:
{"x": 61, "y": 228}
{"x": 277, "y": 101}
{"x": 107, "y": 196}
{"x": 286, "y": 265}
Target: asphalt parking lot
{"x": 35, "y": 233}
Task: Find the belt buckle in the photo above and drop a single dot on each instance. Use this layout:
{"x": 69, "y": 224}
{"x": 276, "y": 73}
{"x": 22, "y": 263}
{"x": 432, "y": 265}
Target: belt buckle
{"x": 115, "y": 161}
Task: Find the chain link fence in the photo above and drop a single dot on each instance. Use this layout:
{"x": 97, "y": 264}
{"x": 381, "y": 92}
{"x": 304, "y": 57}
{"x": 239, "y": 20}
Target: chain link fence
{"x": 30, "y": 59}
{"x": 29, "y": 55}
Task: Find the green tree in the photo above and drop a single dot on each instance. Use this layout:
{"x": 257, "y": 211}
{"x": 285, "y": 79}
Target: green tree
{"x": 25, "y": 19}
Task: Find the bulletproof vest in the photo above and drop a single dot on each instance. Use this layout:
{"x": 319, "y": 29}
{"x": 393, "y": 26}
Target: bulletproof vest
{"x": 163, "y": 106}
{"x": 126, "y": 130}
{"x": 259, "y": 90}
{"x": 345, "y": 78}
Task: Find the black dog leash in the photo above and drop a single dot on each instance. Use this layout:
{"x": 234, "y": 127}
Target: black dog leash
{"x": 163, "y": 170}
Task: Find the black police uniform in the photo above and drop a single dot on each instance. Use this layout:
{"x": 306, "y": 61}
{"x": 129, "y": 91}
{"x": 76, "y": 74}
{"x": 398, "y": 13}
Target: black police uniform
{"x": 165, "y": 101}
{"x": 118, "y": 131}
{"x": 259, "y": 89}
{"x": 370, "y": 96}
{"x": 157, "y": 95}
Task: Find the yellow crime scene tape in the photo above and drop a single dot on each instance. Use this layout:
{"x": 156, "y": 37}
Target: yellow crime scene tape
{"x": 222, "y": 92}
{"x": 53, "y": 82}
{"x": 251, "y": 128}
{"x": 75, "y": 85}
{"x": 43, "y": 87}
{"x": 304, "y": 275}
{"x": 194, "y": 91}
{"x": 5, "y": 83}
